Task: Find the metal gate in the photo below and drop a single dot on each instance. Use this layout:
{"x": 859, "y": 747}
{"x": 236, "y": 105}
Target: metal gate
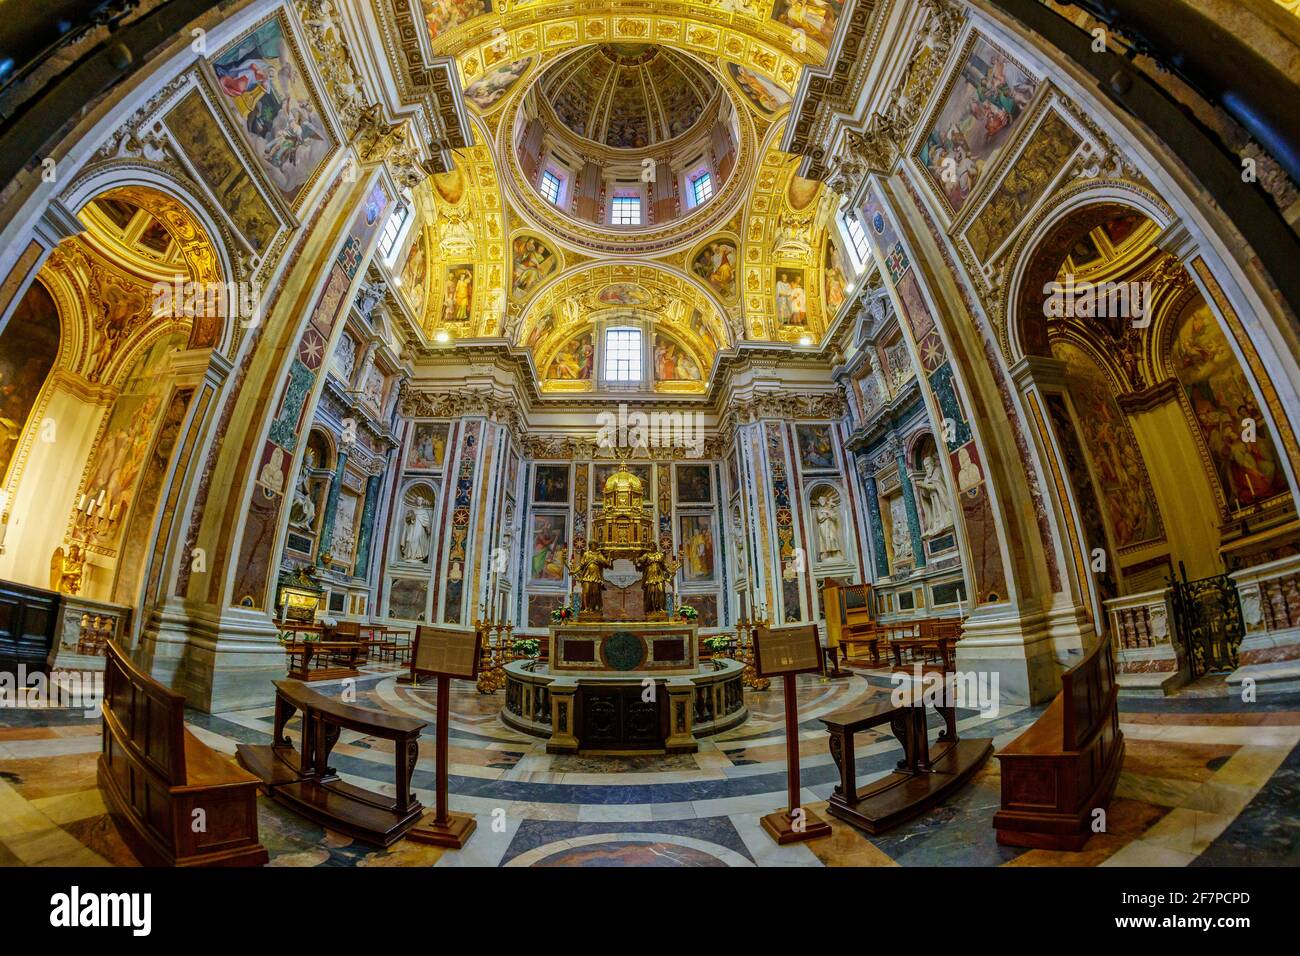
{"x": 1207, "y": 613}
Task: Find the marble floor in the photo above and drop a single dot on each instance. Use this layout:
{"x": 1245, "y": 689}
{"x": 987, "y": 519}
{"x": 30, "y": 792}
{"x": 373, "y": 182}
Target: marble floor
{"x": 1207, "y": 780}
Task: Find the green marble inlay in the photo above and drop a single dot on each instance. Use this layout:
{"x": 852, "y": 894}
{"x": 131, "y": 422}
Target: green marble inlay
{"x": 624, "y": 651}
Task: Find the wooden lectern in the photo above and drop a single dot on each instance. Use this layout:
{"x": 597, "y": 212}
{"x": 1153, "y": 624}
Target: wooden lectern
{"x": 786, "y": 653}
{"x": 444, "y": 654}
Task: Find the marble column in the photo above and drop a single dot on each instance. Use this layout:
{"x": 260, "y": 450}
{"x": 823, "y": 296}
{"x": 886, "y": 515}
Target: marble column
{"x": 909, "y": 504}
{"x": 331, "y": 507}
{"x": 874, "y": 522}
{"x": 374, "y": 487}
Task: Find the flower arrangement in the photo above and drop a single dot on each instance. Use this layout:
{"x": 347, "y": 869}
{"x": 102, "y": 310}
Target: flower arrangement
{"x": 718, "y": 644}
{"x": 688, "y": 613}
{"x": 527, "y": 647}
{"x": 562, "y": 615}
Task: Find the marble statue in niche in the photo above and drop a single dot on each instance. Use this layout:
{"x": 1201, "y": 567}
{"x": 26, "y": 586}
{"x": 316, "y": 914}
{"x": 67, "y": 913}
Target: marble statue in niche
{"x": 738, "y": 536}
{"x": 936, "y": 508}
{"x": 829, "y": 541}
{"x": 345, "y": 357}
{"x": 302, "y": 512}
{"x": 373, "y": 390}
{"x": 272, "y": 476}
{"x": 900, "y": 538}
{"x": 417, "y": 530}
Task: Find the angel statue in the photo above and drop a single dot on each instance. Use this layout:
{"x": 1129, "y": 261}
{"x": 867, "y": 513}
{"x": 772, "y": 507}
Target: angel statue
{"x": 654, "y": 581}
{"x": 588, "y": 570}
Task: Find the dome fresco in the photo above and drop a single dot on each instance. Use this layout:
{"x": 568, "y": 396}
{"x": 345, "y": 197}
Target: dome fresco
{"x": 628, "y": 95}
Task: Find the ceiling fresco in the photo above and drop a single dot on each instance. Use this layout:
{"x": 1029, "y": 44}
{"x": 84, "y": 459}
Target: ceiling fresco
{"x": 753, "y": 263}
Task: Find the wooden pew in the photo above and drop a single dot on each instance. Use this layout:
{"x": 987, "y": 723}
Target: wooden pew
{"x": 933, "y": 646}
{"x": 28, "y": 618}
{"x": 401, "y": 639}
{"x": 1065, "y": 766}
{"x": 156, "y": 777}
{"x": 304, "y": 781}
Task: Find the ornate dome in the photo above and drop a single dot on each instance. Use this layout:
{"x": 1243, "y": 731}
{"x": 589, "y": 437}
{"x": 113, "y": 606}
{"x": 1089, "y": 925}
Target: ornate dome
{"x": 629, "y": 95}
{"x": 625, "y": 482}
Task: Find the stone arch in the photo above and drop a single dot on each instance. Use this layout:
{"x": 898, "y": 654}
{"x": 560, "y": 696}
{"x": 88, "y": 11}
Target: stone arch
{"x": 1035, "y": 257}
{"x": 186, "y": 212}
{"x": 33, "y": 303}
{"x": 319, "y": 437}
{"x": 765, "y": 46}
{"x": 918, "y": 442}
{"x": 530, "y": 314}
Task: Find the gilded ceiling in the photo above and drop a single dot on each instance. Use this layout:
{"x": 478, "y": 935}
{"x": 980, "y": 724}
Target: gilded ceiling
{"x": 754, "y": 262}
{"x": 628, "y": 95}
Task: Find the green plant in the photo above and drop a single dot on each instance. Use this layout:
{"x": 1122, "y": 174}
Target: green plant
{"x": 527, "y": 647}
{"x": 719, "y": 644}
{"x": 688, "y": 613}
{"x": 562, "y": 615}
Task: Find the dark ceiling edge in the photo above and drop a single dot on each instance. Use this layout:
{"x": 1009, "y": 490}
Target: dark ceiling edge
{"x": 1218, "y": 171}
{"x": 48, "y": 115}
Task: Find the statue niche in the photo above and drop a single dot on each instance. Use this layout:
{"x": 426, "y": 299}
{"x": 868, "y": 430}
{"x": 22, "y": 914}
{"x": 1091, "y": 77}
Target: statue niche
{"x": 415, "y": 534}
{"x": 826, "y": 511}
{"x": 932, "y": 495}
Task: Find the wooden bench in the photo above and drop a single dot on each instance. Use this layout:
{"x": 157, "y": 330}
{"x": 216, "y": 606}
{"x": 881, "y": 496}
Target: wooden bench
{"x": 348, "y": 632}
{"x": 304, "y": 781}
{"x": 1065, "y": 766}
{"x": 923, "y": 778}
{"x": 160, "y": 782}
{"x": 322, "y": 660}
{"x": 937, "y": 650}
{"x": 399, "y": 641}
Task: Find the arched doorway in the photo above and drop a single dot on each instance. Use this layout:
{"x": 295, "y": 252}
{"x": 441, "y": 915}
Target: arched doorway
{"x": 126, "y": 304}
{"x": 1166, "y": 455}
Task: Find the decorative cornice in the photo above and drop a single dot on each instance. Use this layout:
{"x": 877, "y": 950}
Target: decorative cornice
{"x": 880, "y": 138}
{"x": 825, "y": 90}
{"x": 1135, "y": 403}
{"x": 791, "y": 406}
{"x": 347, "y": 405}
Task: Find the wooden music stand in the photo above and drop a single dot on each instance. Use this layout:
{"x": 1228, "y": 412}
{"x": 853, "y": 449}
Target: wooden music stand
{"x": 785, "y": 653}
{"x": 444, "y": 654}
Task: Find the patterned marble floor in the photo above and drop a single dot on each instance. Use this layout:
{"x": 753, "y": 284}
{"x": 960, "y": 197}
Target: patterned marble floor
{"x": 1206, "y": 781}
